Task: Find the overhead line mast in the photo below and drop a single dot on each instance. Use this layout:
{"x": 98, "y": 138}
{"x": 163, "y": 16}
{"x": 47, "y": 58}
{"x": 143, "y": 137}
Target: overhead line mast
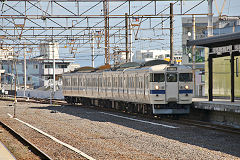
{"x": 171, "y": 33}
{"x": 106, "y": 29}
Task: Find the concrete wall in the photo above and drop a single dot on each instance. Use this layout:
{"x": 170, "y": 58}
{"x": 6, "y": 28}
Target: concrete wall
{"x": 40, "y": 94}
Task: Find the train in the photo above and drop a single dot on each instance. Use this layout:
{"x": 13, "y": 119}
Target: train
{"x": 156, "y": 89}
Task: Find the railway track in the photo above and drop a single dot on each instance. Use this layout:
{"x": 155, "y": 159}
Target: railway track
{"x": 180, "y": 120}
{"x": 34, "y": 100}
{"x": 209, "y": 125}
{"x": 25, "y": 142}
{"x": 184, "y": 121}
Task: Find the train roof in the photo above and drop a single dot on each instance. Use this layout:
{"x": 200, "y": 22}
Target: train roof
{"x": 83, "y": 69}
{"x": 125, "y": 66}
{"x": 154, "y": 62}
{"x": 154, "y": 65}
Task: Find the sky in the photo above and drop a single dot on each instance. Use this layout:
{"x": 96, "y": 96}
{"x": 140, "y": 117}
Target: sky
{"x": 231, "y": 8}
{"x": 83, "y": 52}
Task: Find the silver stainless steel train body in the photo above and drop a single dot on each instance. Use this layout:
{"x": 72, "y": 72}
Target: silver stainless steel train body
{"x": 161, "y": 89}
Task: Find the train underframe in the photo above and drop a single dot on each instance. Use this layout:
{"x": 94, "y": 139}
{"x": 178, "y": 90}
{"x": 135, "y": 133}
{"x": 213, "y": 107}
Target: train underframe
{"x": 131, "y": 107}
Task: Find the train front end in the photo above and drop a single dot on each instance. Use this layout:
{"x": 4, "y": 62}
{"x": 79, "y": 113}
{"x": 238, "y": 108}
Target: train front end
{"x": 171, "y": 89}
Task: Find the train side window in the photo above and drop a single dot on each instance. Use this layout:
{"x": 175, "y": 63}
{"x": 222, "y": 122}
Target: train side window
{"x": 130, "y": 82}
{"x": 108, "y": 81}
{"x": 157, "y": 77}
{"x": 105, "y": 82}
{"x": 122, "y": 82}
{"x": 83, "y": 79}
{"x": 147, "y": 82}
{"x": 171, "y": 77}
{"x": 119, "y": 82}
{"x": 76, "y": 81}
{"x": 185, "y": 77}
{"x": 137, "y": 82}
{"x": 99, "y": 82}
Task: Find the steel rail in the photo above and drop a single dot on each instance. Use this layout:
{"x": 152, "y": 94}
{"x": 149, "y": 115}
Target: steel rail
{"x": 183, "y": 121}
{"x": 209, "y": 125}
{"x": 25, "y": 142}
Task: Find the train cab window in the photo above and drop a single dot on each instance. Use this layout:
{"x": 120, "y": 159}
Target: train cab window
{"x": 171, "y": 77}
{"x": 157, "y": 77}
{"x": 185, "y": 77}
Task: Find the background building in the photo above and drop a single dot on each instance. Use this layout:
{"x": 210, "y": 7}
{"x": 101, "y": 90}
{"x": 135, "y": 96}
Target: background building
{"x": 6, "y": 53}
{"x": 148, "y": 55}
{"x": 39, "y": 69}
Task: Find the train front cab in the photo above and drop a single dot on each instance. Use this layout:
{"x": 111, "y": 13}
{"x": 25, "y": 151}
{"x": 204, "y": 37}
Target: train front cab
{"x": 171, "y": 91}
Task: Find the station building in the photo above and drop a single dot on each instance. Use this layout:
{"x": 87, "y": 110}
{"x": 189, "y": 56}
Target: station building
{"x": 221, "y": 65}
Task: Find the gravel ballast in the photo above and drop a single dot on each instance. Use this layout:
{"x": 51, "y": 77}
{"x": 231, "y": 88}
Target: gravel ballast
{"x": 103, "y": 136}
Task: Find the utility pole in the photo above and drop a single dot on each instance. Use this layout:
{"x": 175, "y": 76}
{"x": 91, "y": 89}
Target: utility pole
{"x": 194, "y": 54}
{"x": 25, "y": 71}
{"x": 15, "y": 93}
{"x": 126, "y": 37}
{"x": 171, "y": 33}
{"x": 210, "y": 18}
{"x": 210, "y": 58}
{"x": 106, "y": 28}
{"x": 130, "y": 48}
{"x": 54, "y": 77}
{"x": 93, "y": 51}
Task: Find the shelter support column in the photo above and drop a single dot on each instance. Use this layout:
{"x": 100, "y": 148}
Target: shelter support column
{"x": 232, "y": 76}
{"x": 210, "y": 78}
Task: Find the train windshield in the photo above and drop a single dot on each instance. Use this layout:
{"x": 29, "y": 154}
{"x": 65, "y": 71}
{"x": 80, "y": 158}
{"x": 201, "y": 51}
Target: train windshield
{"x": 157, "y": 77}
{"x": 171, "y": 77}
{"x": 185, "y": 77}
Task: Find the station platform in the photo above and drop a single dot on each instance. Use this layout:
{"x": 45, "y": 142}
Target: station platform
{"x": 217, "y": 105}
{"x": 5, "y": 154}
{"x": 220, "y": 111}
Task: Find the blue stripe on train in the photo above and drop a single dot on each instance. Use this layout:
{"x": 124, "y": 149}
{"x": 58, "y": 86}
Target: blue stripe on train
{"x": 185, "y": 91}
{"x": 157, "y": 91}
{"x": 164, "y": 92}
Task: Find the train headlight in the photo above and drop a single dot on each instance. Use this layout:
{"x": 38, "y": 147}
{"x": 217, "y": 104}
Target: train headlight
{"x": 186, "y": 87}
{"x": 157, "y": 87}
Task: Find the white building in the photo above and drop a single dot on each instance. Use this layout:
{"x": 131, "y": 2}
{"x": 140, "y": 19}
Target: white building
{"x": 6, "y": 53}
{"x": 119, "y": 57}
{"x": 148, "y": 55}
{"x": 47, "y": 50}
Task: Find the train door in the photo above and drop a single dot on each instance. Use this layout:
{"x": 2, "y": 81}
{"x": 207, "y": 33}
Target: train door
{"x": 136, "y": 79}
{"x": 171, "y": 87}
